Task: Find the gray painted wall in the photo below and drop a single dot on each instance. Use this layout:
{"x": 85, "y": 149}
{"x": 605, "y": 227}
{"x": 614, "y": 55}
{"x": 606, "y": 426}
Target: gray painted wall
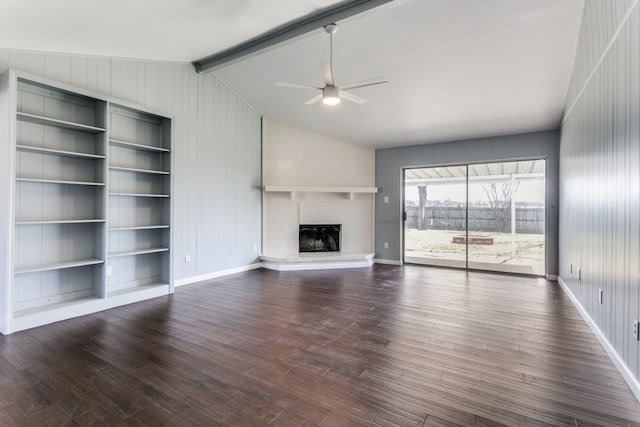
{"x": 390, "y": 163}
{"x": 600, "y": 173}
{"x": 217, "y": 174}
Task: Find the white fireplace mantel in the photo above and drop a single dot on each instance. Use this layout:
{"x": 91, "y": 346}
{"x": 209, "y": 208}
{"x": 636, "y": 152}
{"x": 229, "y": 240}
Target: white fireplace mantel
{"x": 293, "y": 190}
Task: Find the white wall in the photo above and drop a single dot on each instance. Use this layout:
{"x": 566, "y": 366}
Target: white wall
{"x": 293, "y": 157}
{"x": 600, "y": 178}
{"x": 296, "y": 157}
{"x": 216, "y": 150}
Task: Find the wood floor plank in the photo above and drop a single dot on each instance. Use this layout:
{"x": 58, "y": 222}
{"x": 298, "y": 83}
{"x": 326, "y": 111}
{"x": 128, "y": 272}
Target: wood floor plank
{"x": 12, "y": 415}
{"x": 380, "y": 346}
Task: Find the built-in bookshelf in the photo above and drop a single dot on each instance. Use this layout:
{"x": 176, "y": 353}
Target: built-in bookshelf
{"x": 87, "y": 185}
{"x": 139, "y": 200}
{"x": 59, "y": 197}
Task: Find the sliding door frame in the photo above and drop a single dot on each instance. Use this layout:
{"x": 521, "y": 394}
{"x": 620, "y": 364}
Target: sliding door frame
{"x": 403, "y": 212}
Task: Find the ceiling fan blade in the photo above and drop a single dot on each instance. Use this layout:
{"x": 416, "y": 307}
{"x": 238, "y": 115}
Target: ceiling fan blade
{"x": 314, "y": 99}
{"x": 351, "y": 97}
{"x": 365, "y": 83}
{"x": 297, "y": 86}
{"x": 327, "y": 73}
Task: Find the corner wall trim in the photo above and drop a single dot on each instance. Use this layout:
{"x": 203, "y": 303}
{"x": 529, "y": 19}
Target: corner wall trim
{"x": 208, "y": 276}
{"x": 624, "y": 370}
{"x": 387, "y": 261}
{"x": 551, "y": 277}
{"x": 606, "y": 50}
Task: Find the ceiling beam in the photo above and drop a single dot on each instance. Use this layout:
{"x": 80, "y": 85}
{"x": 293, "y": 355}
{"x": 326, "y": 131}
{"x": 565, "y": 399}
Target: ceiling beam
{"x": 286, "y": 32}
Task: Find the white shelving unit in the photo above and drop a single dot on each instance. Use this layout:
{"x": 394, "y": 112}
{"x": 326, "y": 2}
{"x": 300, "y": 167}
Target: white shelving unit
{"x": 62, "y": 221}
{"x": 50, "y": 121}
{"x": 85, "y": 224}
{"x": 139, "y": 200}
{"x": 59, "y": 198}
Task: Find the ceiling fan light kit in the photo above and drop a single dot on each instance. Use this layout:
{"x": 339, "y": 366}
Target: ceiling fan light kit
{"x": 331, "y": 93}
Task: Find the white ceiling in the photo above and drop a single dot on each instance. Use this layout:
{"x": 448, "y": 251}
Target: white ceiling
{"x": 456, "y": 68}
{"x": 169, "y": 30}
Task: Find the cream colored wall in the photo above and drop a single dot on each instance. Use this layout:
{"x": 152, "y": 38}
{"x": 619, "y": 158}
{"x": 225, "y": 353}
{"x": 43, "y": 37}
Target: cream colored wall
{"x": 293, "y": 156}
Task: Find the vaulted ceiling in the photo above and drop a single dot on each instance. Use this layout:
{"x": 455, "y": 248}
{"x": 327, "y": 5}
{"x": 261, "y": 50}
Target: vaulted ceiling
{"x": 456, "y": 68}
{"x": 165, "y": 30}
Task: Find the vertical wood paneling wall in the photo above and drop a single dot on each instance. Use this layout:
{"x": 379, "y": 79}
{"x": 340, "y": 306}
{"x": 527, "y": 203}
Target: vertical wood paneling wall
{"x": 216, "y": 152}
{"x": 600, "y": 173}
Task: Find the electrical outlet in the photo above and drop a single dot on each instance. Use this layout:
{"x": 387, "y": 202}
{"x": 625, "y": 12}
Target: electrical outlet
{"x": 109, "y": 270}
{"x": 386, "y": 199}
{"x": 600, "y": 295}
{"x": 386, "y": 245}
{"x": 635, "y": 330}
{"x": 187, "y": 258}
{"x": 255, "y": 247}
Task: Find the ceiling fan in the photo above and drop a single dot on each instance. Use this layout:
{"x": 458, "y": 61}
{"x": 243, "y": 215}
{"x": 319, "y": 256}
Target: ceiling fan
{"x": 331, "y": 93}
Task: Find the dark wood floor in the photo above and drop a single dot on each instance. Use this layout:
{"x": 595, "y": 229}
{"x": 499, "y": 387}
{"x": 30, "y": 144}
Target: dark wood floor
{"x": 383, "y": 346}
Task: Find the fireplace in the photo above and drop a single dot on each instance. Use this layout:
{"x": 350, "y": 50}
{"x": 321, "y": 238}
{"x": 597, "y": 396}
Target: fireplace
{"x": 319, "y": 237}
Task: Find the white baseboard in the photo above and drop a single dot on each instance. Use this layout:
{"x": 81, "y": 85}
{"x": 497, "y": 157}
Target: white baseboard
{"x": 552, "y": 277}
{"x": 208, "y": 276}
{"x": 387, "y": 261}
{"x": 624, "y": 370}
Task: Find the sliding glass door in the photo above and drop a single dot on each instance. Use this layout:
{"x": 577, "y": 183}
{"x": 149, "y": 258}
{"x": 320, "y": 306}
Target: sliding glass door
{"x": 436, "y": 216}
{"x": 506, "y": 217}
{"x": 488, "y": 216}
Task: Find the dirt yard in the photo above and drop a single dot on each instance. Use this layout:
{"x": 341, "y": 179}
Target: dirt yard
{"x": 438, "y": 244}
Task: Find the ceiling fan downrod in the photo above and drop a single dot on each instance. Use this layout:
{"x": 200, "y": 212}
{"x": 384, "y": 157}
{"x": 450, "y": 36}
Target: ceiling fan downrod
{"x": 331, "y": 30}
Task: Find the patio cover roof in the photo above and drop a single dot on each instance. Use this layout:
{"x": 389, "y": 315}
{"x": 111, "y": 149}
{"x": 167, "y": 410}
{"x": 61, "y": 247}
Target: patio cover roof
{"x": 528, "y": 169}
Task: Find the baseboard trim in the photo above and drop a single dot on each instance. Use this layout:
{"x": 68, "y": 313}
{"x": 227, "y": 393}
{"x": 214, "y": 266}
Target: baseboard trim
{"x": 624, "y": 370}
{"x": 551, "y": 277}
{"x": 215, "y": 274}
{"x": 387, "y": 261}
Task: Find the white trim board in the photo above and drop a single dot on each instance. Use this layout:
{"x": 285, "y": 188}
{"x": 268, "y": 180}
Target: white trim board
{"x": 215, "y": 274}
{"x": 83, "y": 307}
{"x": 624, "y": 370}
{"x": 605, "y": 52}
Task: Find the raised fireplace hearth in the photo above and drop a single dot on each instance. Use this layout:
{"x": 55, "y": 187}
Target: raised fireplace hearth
{"x": 317, "y": 261}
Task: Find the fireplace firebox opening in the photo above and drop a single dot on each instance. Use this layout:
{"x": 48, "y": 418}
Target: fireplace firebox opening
{"x": 319, "y": 237}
